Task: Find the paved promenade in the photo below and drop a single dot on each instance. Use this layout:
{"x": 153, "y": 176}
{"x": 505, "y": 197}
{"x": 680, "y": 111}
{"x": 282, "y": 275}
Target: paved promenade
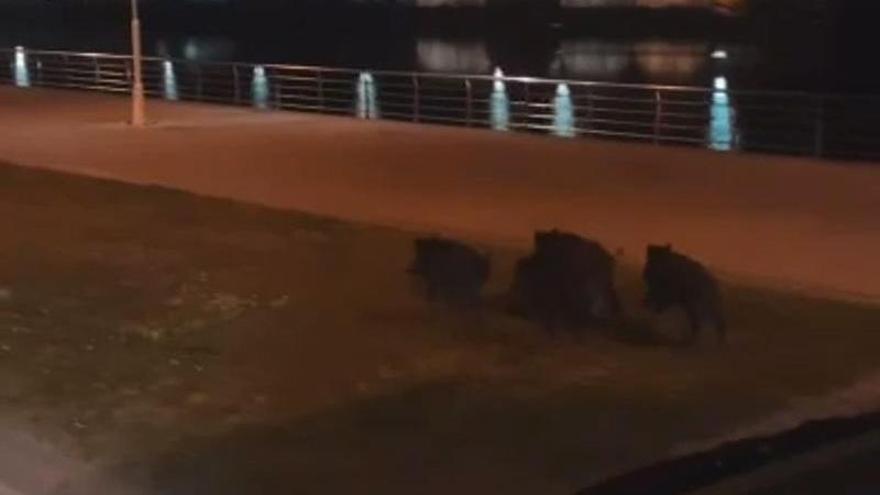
{"x": 779, "y": 221}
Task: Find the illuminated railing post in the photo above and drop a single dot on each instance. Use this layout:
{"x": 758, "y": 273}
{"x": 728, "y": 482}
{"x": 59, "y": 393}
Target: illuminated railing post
{"x": 499, "y": 104}
{"x": 20, "y": 68}
{"x": 563, "y": 112}
{"x": 367, "y": 105}
{"x": 169, "y": 81}
{"x": 260, "y": 88}
{"x": 722, "y": 115}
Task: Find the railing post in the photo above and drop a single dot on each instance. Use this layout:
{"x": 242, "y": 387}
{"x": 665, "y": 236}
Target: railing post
{"x": 97, "y": 71}
{"x": 321, "y": 102}
{"x": 278, "y": 89}
{"x": 819, "y": 136}
{"x": 658, "y": 115}
{"x": 38, "y": 66}
{"x": 199, "y": 88}
{"x": 588, "y": 125}
{"x": 528, "y": 104}
{"x": 416, "y": 101}
{"x": 236, "y": 84}
{"x": 128, "y": 71}
{"x": 469, "y": 109}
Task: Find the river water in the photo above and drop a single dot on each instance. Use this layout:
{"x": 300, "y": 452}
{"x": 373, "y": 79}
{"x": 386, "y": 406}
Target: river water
{"x": 796, "y": 57}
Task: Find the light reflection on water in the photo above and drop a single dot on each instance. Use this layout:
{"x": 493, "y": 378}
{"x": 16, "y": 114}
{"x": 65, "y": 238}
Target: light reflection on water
{"x": 464, "y": 57}
{"x": 198, "y": 48}
{"x": 633, "y": 3}
{"x": 652, "y": 61}
{"x": 591, "y": 59}
{"x": 671, "y": 62}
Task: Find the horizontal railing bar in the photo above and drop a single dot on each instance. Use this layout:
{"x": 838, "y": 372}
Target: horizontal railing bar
{"x": 89, "y": 86}
{"x": 346, "y": 102}
{"x": 684, "y": 127}
{"x": 88, "y": 80}
{"x": 316, "y": 108}
{"x": 625, "y": 111}
{"x": 388, "y": 97}
{"x": 615, "y": 98}
{"x": 678, "y": 115}
{"x": 69, "y": 70}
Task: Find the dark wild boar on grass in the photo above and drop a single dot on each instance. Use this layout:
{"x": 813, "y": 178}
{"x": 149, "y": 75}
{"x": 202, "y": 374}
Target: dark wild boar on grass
{"x": 567, "y": 282}
{"x": 675, "y": 281}
{"x": 451, "y": 271}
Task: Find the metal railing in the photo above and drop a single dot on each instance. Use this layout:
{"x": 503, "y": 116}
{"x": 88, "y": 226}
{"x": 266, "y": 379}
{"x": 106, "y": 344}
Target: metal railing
{"x": 836, "y": 126}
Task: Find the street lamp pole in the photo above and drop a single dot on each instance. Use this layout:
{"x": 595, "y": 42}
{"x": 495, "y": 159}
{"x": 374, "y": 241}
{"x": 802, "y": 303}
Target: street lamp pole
{"x": 138, "y": 114}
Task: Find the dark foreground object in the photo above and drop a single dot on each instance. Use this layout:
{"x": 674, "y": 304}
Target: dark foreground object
{"x": 684, "y": 474}
{"x": 452, "y": 272}
{"x": 674, "y": 280}
{"x": 568, "y": 281}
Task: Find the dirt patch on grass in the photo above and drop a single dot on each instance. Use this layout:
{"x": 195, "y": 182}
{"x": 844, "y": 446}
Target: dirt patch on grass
{"x": 181, "y": 344}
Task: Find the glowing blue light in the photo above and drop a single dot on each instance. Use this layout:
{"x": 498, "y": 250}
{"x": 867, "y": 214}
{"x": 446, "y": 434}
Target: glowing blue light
{"x": 169, "y": 81}
{"x": 20, "y": 68}
{"x": 499, "y": 104}
{"x": 191, "y": 50}
{"x": 563, "y": 112}
{"x": 367, "y": 103}
{"x": 260, "y": 88}
{"x": 722, "y": 124}
{"x": 498, "y": 85}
